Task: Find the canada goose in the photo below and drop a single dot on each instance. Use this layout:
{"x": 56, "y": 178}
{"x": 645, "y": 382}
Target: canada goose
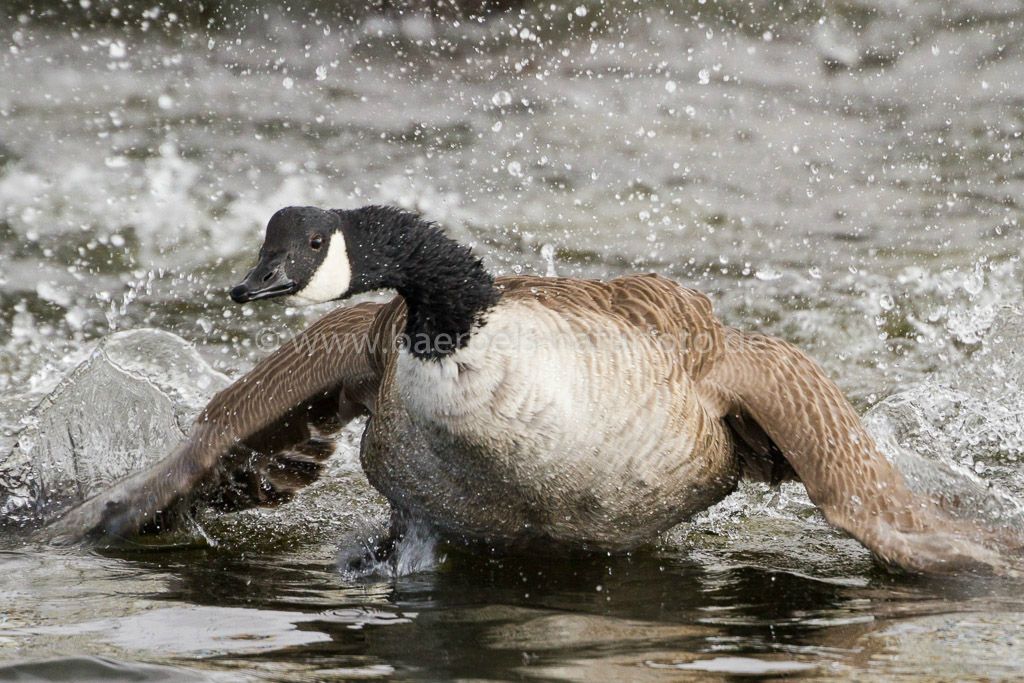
{"x": 524, "y": 410}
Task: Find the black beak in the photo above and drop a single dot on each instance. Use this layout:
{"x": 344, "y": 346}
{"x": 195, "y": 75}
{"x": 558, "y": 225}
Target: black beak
{"x": 263, "y": 282}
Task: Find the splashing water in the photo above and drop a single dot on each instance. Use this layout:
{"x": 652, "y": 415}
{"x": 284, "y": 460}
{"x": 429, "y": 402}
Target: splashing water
{"x": 547, "y": 252}
{"x": 843, "y": 175}
{"x": 362, "y": 555}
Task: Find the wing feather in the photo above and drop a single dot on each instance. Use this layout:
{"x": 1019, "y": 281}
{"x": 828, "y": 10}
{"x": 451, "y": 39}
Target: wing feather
{"x": 766, "y": 385}
{"x": 258, "y": 441}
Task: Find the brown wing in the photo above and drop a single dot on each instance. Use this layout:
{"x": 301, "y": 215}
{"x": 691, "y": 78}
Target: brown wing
{"x": 769, "y": 385}
{"x": 258, "y": 441}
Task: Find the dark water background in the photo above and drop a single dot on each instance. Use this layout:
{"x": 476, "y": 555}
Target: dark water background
{"x": 844, "y": 175}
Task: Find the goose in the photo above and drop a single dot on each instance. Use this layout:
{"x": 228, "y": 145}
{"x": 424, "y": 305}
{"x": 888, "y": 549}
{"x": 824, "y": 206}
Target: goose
{"x": 525, "y": 411}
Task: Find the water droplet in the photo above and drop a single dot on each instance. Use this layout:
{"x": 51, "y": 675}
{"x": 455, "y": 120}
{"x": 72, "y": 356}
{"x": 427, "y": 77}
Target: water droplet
{"x": 974, "y": 283}
{"x": 515, "y": 169}
{"x": 581, "y": 11}
{"x": 704, "y": 76}
{"x": 165, "y": 102}
{"x": 321, "y": 73}
{"x": 502, "y": 98}
{"x": 547, "y": 252}
{"x": 288, "y": 83}
{"x": 118, "y": 50}
{"x": 670, "y": 86}
{"x": 886, "y": 302}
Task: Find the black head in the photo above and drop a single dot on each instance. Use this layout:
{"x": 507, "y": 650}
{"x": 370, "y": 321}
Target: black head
{"x": 304, "y": 255}
{"x": 316, "y": 256}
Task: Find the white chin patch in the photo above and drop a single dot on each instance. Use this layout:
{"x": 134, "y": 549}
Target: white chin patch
{"x": 332, "y": 279}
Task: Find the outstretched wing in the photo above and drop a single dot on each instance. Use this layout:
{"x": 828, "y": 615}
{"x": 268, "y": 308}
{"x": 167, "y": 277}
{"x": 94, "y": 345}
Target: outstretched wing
{"x": 258, "y": 441}
{"x": 769, "y": 386}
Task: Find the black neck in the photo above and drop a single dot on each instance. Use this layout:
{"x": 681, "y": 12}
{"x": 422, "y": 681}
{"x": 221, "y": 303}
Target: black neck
{"x": 446, "y": 289}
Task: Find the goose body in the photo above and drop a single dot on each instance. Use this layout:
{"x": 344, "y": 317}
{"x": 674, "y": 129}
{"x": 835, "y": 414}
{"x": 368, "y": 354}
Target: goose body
{"x": 528, "y": 410}
{"x": 562, "y": 420}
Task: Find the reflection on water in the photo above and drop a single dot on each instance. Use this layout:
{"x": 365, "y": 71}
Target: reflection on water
{"x": 850, "y": 182}
{"x": 652, "y": 616}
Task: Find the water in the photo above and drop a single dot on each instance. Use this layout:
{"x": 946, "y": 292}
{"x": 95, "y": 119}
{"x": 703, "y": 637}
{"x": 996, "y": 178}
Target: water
{"x": 849, "y": 182}
{"x": 133, "y": 400}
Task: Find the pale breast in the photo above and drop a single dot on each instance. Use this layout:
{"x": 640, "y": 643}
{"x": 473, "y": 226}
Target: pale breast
{"x": 552, "y": 423}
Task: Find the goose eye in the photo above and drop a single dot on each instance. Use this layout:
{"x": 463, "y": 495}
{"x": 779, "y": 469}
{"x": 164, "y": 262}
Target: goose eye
{"x": 316, "y": 242}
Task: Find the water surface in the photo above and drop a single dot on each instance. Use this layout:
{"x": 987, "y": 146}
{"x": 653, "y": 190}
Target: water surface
{"x": 849, "y": 182}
